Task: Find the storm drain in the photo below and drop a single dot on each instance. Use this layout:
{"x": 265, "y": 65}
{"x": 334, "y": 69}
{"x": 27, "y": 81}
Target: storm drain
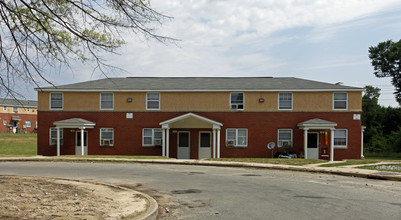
{"x": 187, "y": 191}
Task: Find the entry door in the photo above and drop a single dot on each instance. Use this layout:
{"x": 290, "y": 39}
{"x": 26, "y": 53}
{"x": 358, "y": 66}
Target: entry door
{"x": 78, "y": 150}
{"x": 205, "y": 150}
{"x": 313, "y": 145}
{"x": 183, "y": 147}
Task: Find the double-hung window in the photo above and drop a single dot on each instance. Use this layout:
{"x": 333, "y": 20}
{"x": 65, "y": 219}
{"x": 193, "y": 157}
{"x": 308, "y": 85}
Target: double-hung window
{"x": 340, "y": 100}
{"x": 152, "y": 101}
{"x": 56, "y": 100}
{"x": 53, "y": 136}
{"x": 106, "y": 101}
{"x": 28, "y": 109}
{"x": 4, "y": 121}
{"x": 285, "y": 101}
{"x": 5, "y": 108}
{"x": 237, "y": 137}
{"x": 284, "y": 138}
{"x": 15, "y": 109}
{"x": 28, "y": 123}
{"x": 237, "y": 101}
{"x": 340, "y": 138}
{"x": 152, "y": 137}
{"x": 106, "y": 137}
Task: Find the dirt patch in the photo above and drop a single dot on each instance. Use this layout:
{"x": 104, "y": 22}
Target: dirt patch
{"x": 43, "y": 198}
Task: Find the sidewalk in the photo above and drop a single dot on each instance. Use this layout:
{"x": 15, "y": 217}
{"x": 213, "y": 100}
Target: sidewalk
{"x": 343, "y": 170}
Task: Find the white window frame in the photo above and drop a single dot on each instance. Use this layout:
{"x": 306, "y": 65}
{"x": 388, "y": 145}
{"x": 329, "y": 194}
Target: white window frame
{"x": 147, "y": 107}
{"x": 27, "y": 109}
{"x": 5, "y": 108}
{"x": 279, "y": 142}
{"x": 112, "y": 100}
{"x": 28, "y": 125}
{"x": 55, "y": 137}
{"x": 346, "y": 138}
{"x": 111, "y": 141}
{"x": 292, "y": 100}
{"x": 5, "y": 122}
{"x": 236, "y": 137}
{"x": 15, "y": 109}
{"x": 50, "y": 101}
{"x": 243, "y": 102}
{"x": 346, "y": 101}
{"x": 152, "y": 144}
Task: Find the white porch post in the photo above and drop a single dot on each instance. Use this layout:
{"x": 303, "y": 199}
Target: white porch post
{"x": 82, "y": 142}
{"x": 164, "y": 142}
{"x": 332, "y": 144}
{"x": 362, "y": 131}
{"x": 168, "y": 142}
{"x": 214, "y": 143}
{"x": 58, "y": 141}
{"x": 218, "y": 143}
{"x": 306, "y": 142}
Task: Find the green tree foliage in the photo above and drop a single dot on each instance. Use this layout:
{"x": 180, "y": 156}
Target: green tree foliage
{"x": 38, "y": 35}
{"x": 386, "y": 60}
{"x": 383, "y": 124}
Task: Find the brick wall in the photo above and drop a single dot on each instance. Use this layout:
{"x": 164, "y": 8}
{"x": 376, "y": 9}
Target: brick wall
{"x": 24, "y": 118}
{"x": 262, "y": 129}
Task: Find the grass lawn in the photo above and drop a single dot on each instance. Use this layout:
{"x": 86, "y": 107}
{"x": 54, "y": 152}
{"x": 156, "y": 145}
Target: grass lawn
{"x": 113, "y": 156}
{"x": 296, "y": 162}
{"x": 369, "y": 158}
{"x": 17, "y": 144}
{"x": 383, "y": 167}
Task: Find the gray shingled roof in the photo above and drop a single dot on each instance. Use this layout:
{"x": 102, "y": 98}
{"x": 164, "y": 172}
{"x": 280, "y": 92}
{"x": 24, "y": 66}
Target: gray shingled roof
{"x": 13, "y": 102}
{"x": 200, "y": 84}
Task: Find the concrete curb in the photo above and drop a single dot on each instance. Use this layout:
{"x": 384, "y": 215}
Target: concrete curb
{"x": 343, "y": 171}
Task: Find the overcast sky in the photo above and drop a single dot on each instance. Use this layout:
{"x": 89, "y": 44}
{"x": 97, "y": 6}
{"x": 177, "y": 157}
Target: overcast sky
{"x": 319, "y": 40}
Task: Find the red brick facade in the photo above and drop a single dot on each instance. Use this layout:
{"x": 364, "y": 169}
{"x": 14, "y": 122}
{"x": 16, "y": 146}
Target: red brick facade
{"x": 262, "y": 129}
{"x": 19, "y": 124}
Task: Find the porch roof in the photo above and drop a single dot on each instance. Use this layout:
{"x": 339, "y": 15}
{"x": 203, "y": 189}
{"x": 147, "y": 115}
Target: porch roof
{"x": 317, "y": 123}
{"x": 74, "y": 123}
{"x": 190, "y": 120}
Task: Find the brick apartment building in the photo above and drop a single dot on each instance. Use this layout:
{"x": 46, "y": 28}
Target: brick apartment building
{"x": 201, "y": 117}
{"x": 18, "y": 116}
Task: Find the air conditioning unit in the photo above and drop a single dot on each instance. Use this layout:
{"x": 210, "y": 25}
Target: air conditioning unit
{"x": 234, "y": 106}
{"x": 230, "y": 143}
{"x": 53, "y": 141}
{"x": 158, "y": 142}
{"x": 237, "y": 106}
{"x": 107, "y": 142}
{"x": 285, "y": 143}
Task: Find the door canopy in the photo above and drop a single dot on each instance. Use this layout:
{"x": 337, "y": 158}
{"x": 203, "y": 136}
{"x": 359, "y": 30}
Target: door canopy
{"x": 191, "y": 120}
{"x": 74, "y": 123}
{"x": 317, "y": 124}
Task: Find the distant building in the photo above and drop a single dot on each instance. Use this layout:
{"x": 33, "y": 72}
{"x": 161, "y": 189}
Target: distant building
{"x": 201, "y": 117}
{"x": 18, "y": 116}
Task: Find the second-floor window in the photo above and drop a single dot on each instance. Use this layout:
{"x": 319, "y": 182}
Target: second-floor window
{"x": 15, "y": 109}
{"x": 285, "y": 101}
{"x": 5, "y": 108}
{"x": 56, "y": 100}
{"x": 153, "y": 101}
{"x": 237, "y": 101}
{"x": 340, "y": 100}
{"x": 106, "y": 101}
{"x": 28, "y": 109}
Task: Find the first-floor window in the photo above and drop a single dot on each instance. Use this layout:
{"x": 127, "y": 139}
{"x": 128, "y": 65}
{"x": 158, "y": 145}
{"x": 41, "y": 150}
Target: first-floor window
{"x": 340, "y": 138}
{"x": 284, "y": 138}
{"x": 106, "y": 137}
{"x": 237, "y": 137}
{"x": 53, "y": 136}
{"x": 28, "y": 123}
{"x": 152, "y": 137}
{"x": 5, "y": 122}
